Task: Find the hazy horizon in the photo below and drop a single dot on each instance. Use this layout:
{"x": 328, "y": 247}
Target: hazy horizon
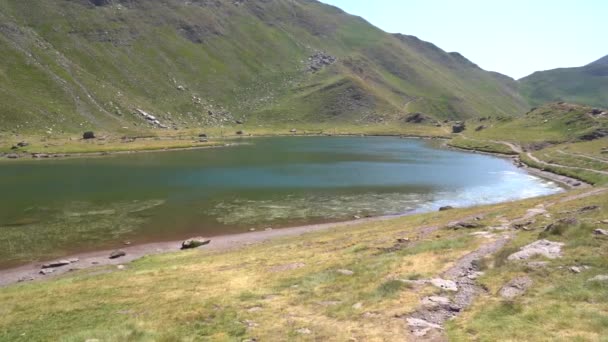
{"x": 515, "y": 38}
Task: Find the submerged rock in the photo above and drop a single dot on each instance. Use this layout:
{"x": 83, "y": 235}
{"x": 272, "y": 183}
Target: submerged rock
{"x": 195, "y": 242}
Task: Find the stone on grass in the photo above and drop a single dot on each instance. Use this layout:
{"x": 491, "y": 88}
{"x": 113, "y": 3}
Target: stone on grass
{"x": 304, "y": 331}
{"x": 447, "y": 285}
{"x": 420, "y": 327}
{"x": 345, "y": 272}
{"x": 195, "y": 242}
{"x": 546, "y": 248}
{"x": 601, "y": 232}
{"x": 447, "y": 207}
{"x": 88, "y": 135}
{"x": 515, "y": 287}
{"x": 601, "y": 277}
{"x": 575, "y": 269}
{"x": 435, "y": 301}
{"x": 458, "y": 127}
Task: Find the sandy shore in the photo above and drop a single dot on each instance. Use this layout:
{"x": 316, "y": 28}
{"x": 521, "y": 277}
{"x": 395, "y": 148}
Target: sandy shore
{"x": 31, "y": 272}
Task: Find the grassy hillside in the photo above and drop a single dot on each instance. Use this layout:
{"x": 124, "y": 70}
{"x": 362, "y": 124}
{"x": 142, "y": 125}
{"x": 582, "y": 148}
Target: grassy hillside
{"x": 584, "y": 85}
{"x": 562, "y": 138}
{"x": 70, "y": 65}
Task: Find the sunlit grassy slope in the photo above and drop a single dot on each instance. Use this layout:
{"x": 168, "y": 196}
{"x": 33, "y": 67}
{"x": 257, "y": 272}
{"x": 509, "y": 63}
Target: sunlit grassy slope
{"x": 584, "y": 85}
{"x": 70, "y": 65}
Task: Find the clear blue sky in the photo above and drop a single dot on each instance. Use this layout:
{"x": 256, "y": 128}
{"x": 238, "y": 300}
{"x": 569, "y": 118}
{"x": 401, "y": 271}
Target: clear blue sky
{"x": 514, "y": 37}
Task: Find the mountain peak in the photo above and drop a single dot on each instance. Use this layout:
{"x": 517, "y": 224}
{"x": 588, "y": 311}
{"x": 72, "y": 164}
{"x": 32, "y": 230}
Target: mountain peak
{"x": 601, "y": 61}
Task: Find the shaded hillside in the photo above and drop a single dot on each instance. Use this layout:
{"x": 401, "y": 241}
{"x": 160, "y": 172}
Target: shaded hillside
{"x": 75, "y": 64}
{"x": 585, "y": 85}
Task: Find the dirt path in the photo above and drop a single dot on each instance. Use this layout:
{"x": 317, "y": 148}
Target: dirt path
{"x": 427, "y": 322}
{"x": 514, "y": 147}
{"x": 566, "y": 181}
{"x": 583, "y": 156}
{"x": 531, "y": 156}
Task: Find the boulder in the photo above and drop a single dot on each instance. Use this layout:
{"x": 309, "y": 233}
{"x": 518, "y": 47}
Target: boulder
{"x": 444, "y": 284}
{"x": 22, "y": 144}
{"x": 600, "y": 232}
{"x": 240, "y": 132}
{"x": 293, "y": 130}
{"x": 601, "y": 278}
{"x": 202, "y": 135}
{"x": 12, "y": 156}
{"x": 57, "y": 263}
{"x": 239, "y": 122}
{"x": 458, "y": 127}
{"x": 195, "y": 242}
{"x": 435, "y": 301}
{"x": 480, "y": 128}
{"x": 565, "y": 222}
{"x": 117, "y": 254}
{"x": 546, "y": 248}
{"x": 447, "y": 207}
{"x": 88, "y": 135}
{"x": 515, "y": 287}
{"x": 463, "y": 224}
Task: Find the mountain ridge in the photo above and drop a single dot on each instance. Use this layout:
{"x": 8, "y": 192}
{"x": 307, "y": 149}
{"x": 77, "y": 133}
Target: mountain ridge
{"x": 583, "y": 85}
{"x": 76, "y": 64}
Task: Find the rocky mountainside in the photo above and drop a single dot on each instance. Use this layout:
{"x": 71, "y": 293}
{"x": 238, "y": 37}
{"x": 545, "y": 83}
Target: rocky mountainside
{"x": 585, "y": 85}
{"x": 70, "y": 65}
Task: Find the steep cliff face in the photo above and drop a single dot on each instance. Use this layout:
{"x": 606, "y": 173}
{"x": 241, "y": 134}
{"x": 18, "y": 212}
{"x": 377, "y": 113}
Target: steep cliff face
{"x": 75, "y": 63}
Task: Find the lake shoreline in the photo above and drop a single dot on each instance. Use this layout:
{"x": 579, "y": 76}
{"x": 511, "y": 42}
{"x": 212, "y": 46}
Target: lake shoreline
{"x": 100, "y": 259}
{"x": 565, "y": 181}
{"x": 88, "y": 259}
{"x": 96, "y": 154}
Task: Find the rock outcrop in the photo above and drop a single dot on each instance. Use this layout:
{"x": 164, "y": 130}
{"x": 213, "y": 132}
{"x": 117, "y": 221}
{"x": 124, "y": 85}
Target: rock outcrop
{"x": 546, "y": 248}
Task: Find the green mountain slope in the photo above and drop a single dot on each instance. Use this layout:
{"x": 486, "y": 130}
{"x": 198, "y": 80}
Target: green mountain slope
{"x": 75, "y": 64}
{"x": 584, "y": 85}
